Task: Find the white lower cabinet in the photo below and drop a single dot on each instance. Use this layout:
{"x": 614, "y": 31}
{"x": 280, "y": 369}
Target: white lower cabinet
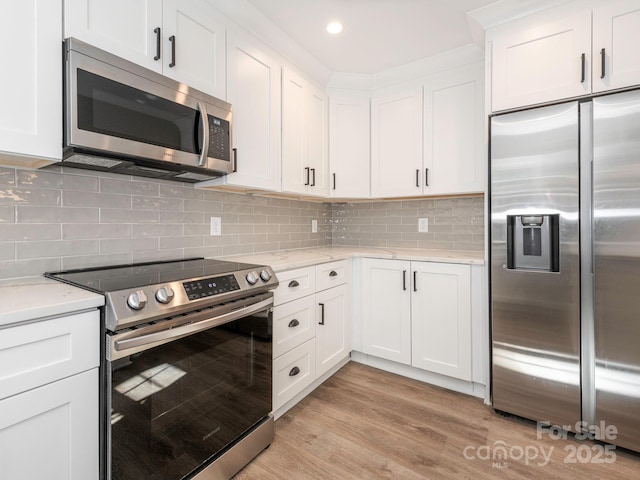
{"x": 312, "y": 327}
{"x": 49, "y": 399}
{"x": 418, "y": 314}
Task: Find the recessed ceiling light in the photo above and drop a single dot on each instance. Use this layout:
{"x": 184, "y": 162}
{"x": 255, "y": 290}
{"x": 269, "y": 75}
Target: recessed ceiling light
{"x": 334, "y": 27}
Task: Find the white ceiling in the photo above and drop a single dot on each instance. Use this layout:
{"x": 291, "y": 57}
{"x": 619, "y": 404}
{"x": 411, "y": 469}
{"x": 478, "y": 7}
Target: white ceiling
{"x": 378, "y": 34}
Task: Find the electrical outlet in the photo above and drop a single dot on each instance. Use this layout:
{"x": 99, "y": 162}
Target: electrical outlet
{"x": 216, "y": 226}
{"x": 314, "y": 226}
{"x": 423, "y": 225}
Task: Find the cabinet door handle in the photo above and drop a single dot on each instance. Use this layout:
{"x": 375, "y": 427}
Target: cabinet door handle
{"x": 294, "y": 323}
{"x": 333, "y": 273}
{"x": 321, "y": 322}
{"x": 158, "y": 33}
{"x": 172, "y": 39}
{"x": 313, "y": 182}
{"x": 417, "y": 178}
{"x": 602, "y": 63}
{"x": 426, "y": 177}
{"x": 415, "y": 278}
{"x": 334, "y": 181}
{"x": 404, "y": 280}
{"x": 294, "y": 371}
{"x": 306, "y": 171}
{"x": 583, "y": 68}
{"x": 235, "y": 160}
{"x": 293, "y": 284}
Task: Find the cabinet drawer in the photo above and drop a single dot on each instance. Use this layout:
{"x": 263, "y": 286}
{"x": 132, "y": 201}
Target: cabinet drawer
{"x": 293, "y": 372}
{"x": 295, "y": 284}
{"x": 293, "y": 324}
{"x": 42, "y": 352}
{"x": 331, "y": 274}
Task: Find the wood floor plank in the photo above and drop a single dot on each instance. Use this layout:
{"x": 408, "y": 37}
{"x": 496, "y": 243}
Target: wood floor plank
{"x": 364, "y": 423}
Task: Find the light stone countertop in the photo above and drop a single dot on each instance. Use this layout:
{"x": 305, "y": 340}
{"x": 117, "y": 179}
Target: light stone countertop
{"x": 289, "y": 259}
{"x": 32, "y": 298}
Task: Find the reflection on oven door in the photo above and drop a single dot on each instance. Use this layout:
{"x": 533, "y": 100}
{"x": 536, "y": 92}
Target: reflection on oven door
{"x": 177, "y": 406}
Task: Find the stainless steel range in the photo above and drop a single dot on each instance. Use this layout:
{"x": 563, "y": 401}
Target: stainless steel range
{"x": 186, "y": 366}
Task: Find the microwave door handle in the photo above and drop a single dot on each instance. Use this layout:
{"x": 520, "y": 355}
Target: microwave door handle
{"x": 205, "y": 137}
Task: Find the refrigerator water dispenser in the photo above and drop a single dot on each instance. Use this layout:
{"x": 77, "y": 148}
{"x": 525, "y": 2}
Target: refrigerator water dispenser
{"x": 533, "y": 242}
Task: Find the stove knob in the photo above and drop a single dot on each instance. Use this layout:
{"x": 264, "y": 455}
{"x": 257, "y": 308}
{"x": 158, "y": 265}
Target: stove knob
{"x": 137, "y": 300}
{"x": 265, "y": 275}
{"x": 164, "y": 294}
{"x": 252, "y": 278}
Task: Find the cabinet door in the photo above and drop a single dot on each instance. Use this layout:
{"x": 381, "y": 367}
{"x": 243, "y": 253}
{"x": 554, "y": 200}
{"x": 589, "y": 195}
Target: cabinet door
{"x": 333, "y": 329}
{"x": 199, "y": 43}
{"x": 253, "y": 83}
{"x": 454, "y": 131}
{"x": 316, "y": 140}
{"x": 31, "y": 85}
{"x": 52, "y": 432}
{"x": 349, "y": 140}
{"x": 295, "y": 173}
{"x": 540, "y": 58}
{"x": 616, "y": 35}
{"x": 386, "y": 305}
{"x": 441, "y": 318}
{"x": 123, "y": 27}
{"x": 396, "y": 144}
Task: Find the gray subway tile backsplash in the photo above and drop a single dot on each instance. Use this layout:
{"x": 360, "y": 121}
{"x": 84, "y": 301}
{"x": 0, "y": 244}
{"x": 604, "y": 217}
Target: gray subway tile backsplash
{"x": 64, "y": 218}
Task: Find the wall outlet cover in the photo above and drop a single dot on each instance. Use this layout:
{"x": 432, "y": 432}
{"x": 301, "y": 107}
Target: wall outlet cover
{"x": 423, "y": 225}
{"x": 314, "y": 226}
{"x": 216, "y": 226}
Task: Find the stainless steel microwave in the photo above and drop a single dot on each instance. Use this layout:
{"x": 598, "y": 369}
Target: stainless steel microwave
{"x": 123, "y": 118}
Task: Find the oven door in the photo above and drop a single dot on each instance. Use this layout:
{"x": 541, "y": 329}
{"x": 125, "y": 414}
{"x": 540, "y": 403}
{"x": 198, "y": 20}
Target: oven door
{"x": 180, "y": 392}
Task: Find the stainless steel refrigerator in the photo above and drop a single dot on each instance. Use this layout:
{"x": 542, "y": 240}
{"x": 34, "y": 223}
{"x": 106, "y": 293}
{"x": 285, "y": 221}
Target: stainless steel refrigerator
{"x": 565, "y": 265}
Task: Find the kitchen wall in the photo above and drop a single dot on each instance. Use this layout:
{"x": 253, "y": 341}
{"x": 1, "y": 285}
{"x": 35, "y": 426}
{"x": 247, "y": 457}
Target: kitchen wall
{"x": 50, "y": 220}
{"x": 454, "y": 223}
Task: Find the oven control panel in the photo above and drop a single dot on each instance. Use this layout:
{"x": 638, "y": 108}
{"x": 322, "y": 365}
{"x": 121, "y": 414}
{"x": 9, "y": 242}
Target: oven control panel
{"x": 208, "y": 287}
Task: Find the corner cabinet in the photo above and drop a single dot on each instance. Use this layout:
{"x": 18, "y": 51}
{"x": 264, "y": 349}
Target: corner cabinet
{"x": 349, "y": 147}
{"x": 180, "y": 39}
{"x": 311, "y": 329}
{"x": 418, "y": 314}
{"x": 31, "y": 89}
{"x": 305, "y": 162}
{"x": 253, "y": 87}
{"x": 564, "y": 52}
{"x": 396, "y": 144}
{"x": 49, "y": 399}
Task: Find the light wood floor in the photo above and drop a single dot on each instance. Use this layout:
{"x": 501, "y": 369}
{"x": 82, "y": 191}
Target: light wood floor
{"x": 364, "y": 423}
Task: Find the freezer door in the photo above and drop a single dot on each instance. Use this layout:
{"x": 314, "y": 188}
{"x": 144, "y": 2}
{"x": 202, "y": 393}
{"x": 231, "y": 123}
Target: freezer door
{"x": 536, "y": 311}
{"x": 616, "y": 202}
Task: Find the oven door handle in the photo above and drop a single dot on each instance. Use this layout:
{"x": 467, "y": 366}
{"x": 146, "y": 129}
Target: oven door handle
{"x": 165, "y": 336}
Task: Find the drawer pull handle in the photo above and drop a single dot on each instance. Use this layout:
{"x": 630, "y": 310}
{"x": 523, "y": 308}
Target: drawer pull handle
{"x": 294, "y": 371}
{"x": 294, "y": 323}
{"x": 333, "y": 273}
{"x": 293, "y": 284}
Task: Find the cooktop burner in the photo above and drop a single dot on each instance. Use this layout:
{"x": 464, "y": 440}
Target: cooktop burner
{"x": 141, "y": 292}
{"x": 137, "y": 275}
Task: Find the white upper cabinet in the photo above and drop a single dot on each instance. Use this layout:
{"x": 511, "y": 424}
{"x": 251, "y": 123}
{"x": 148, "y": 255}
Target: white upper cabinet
{"x": 349, "y": 140}
{"x": 454, "y": 158}
{"x": 304, "y": 136}
{"x": 564, "y": 52}
{"x": 616, "y": 36}
{"x": 126, "y": 28}
{"x": 180, "y": 39}
{"x": 31, "y": 88}
{"x": 396, "y": 144}
{"x": 253, "y": 87}
{"x": 541, "y": 58}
